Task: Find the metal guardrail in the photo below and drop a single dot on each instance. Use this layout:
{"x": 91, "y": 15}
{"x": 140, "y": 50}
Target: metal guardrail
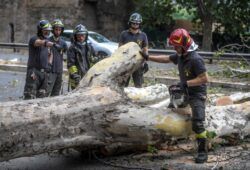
{"x": 13, "y": 45}
{"x": 205, "y": 54}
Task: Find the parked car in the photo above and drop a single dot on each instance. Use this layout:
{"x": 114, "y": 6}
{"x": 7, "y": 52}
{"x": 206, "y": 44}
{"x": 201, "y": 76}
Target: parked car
{"x": 103, "y": 47}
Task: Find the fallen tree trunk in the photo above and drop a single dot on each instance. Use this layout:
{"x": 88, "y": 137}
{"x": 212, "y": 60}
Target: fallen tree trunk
{"x": 98, "y": 114}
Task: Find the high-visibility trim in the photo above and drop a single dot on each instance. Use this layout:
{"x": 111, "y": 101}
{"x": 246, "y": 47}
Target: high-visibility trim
{"x": 178, "y": 40}
{"x": 202, "y": 135}
{"x": 73, "y": 69}
{"x": 47, "y": 25}
{"x": 59, "y": 23}
{"x": 72, "y": 83}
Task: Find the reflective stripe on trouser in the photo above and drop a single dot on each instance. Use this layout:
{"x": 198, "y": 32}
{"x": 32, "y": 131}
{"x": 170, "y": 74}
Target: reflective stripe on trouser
{"x": 73, "y": 69}
{"x": 73, "y": 83}
{"x": 202, "y": 135}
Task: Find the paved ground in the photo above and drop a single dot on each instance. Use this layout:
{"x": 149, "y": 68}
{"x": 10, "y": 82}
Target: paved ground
{"x": 176, "y": 157}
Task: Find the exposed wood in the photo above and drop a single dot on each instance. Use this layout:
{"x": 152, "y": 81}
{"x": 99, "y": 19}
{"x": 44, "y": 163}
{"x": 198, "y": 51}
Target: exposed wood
{"x": 98, "y": 114}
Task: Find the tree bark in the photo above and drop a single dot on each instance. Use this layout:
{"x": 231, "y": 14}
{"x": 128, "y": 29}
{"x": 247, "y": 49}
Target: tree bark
{"x": 207, "y": 34}
{"x": 207, "y": 20}
{"x": 98, "y": 114}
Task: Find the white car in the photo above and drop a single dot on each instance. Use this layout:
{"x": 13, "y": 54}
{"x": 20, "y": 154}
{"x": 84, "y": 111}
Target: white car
{"x": 103, "y": 47}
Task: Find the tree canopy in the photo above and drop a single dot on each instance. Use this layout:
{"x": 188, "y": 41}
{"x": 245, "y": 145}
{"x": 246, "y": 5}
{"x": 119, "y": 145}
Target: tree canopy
{"x": 231, "y": 15}
{"x": 223, "y": 16}
{"x": 155, "y": 12}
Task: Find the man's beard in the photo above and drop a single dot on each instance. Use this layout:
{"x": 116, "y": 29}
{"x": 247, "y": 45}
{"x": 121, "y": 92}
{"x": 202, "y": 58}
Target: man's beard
{"x": 178, "y": 54}
{"x": 133, "y": 28}
{"x": 46, "y": 36}
{"x": 183, "y": 53}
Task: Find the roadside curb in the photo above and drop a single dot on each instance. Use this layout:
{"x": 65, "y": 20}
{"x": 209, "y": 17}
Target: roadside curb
{"x": 18, "y": 68}
{"x": 158, "y": 79}
{"x": 13, "y": 67}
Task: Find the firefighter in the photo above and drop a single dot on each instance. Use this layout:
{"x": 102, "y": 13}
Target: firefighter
{"x": 193, "y": 79}
{"x": 78, "y": 56}
{"x": 134, "y": 34}
{"x": 59, "y": 48}
{"x": 38, "y": 68}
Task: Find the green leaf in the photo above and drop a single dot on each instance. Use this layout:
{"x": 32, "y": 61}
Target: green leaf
{"x": 211, "y": 134}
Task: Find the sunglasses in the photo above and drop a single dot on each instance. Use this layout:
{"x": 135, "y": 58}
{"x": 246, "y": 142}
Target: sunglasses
{"x": 135, "y": 23}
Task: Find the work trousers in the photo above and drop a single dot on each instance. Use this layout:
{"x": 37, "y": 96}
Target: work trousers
{"x": 36, "y": 85}
{"x": 55, "y": 84}
{"x": 197, "y": 105}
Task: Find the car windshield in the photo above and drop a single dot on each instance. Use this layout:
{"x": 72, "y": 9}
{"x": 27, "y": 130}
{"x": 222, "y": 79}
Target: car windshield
{"x": 99, "y": 38}
{"x": 67, "y": 36}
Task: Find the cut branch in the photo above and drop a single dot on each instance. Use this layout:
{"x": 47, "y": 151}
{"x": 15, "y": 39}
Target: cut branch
{"x": 98, "y": 114}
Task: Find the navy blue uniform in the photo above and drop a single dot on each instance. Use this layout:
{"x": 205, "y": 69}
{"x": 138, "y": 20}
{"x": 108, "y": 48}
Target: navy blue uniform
{"x": 190, "y": 67}
{"x": 55, "y": 78}
{"x": 141, "y": 39}
{"x": 36, "y": 84}
{"x": 38, "y": 56}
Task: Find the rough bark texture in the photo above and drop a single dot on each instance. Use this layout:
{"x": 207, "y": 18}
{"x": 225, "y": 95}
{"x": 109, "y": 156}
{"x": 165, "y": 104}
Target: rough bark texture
{"x": 207, "y": 20}
{"x": 98, "y": 114}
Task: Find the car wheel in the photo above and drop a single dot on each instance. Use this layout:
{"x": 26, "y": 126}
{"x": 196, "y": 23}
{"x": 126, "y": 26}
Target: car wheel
{"x": 101, "y": 55}
{"x": 98, "y": 57}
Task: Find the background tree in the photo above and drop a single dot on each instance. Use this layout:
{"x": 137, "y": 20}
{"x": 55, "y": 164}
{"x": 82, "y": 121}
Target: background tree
{"x": 157, "y": 17}
{"x": 232, "y": 16}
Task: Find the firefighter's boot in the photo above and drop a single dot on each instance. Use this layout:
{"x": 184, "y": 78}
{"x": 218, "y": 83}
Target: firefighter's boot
{"x": 202, "y": 151}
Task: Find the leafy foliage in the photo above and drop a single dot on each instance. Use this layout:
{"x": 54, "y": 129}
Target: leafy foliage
{"x": 232, "y": 15}
{"x": 152, "y": 149}
{"x": 211, "y": 134}
{"x": 156, "y": 13}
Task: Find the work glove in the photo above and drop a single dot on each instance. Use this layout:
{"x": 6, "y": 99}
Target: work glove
{"x": 58, "y": 47}
{"x": 49, "y": 69}
{"x": 75, "y": 77}
{"x": 145, "y": 67}
{"x": 144, "y": 55}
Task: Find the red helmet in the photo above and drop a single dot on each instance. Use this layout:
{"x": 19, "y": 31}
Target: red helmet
{"x": 180, "y": 37}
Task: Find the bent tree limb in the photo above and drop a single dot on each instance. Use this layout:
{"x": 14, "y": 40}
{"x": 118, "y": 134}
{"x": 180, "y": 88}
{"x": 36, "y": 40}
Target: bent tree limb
{"x": 98, "y": 114}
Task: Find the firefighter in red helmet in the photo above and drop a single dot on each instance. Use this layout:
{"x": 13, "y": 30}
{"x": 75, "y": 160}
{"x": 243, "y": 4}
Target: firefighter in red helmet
{"x": 193, "y": 79}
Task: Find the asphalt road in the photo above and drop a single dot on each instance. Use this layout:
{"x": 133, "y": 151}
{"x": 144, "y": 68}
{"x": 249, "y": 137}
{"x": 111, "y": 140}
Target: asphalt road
{"x": 11, "y": 85}
{"x": 53, "y": 161}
